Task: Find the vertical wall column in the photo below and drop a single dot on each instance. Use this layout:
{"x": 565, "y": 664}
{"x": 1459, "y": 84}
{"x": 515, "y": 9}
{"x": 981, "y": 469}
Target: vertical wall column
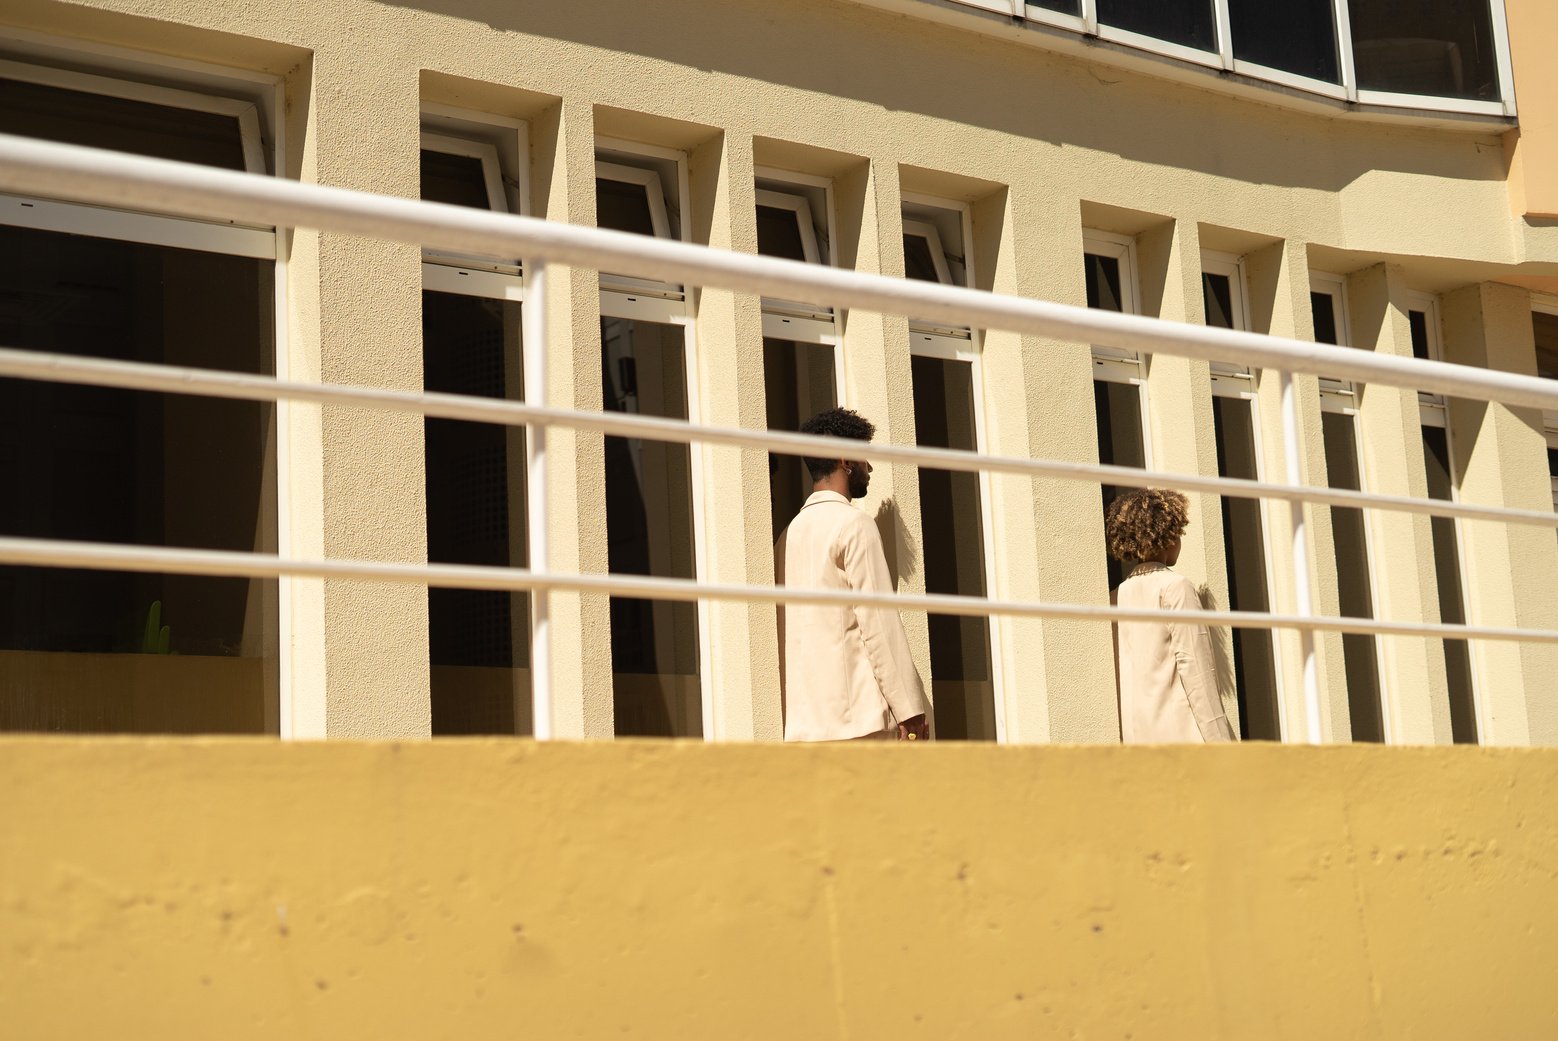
{"x": 879, "y": 380}
{"x": 1390, "y": 438}
{"x": 742, "y": 687}
{"x": 1179, "y": 416}
{"x": 1278, "y": 288}
{"x": 1038, "y": 395}
{"x": 358, "y": 650}
{"x": 1500, "y": 459}
{"x": 563, "y": 187}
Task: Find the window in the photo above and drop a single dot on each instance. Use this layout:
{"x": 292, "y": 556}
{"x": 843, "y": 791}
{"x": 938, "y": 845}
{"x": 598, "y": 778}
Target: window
{"x": 801, "y": 371}
{"x": 1244, "y": 539}
{"x": 652, "y": 523}
{"x": 478, "y": 640}
{"x": 1445, "y": 55}
{"x": 102, "y": 651}
{"x": 1438, "y": 48}
{"x": 1544, "y": 326}
{"x": 1188, "y": 23}
{"x": 1423, "y": 318}
{"x": 1119, "y": 384}
{"x": 1349, "y": 536}
{"x": 945, "y": 368}
{"x": 1296, "y": 36}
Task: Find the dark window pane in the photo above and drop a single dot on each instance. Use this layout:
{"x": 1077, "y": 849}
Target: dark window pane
{"x": 621, "y": 206}
{"x": 1417, "y": 322}
{"x": 455, "y": 179}
{"x": 1185, "y": 22}
{"x": 1217, "y": 295}
{"x": 917, "y": 259}
{"x": 478, "y": 640}
{"x": 654, "y": 643}
{"x": 1103, "y": 282}
{"x": 77, "y": 118}
{"x": 1545, "y": 328}
{"x": 86, "y": 650}
{"x": 1297, "y": 36}
{"x": 1442, "y": 48}
{"x": 798, "y": 383}
{"x": 1323, "y": 309}
{"x": 1447, "y": 571}
{"x": 1355, "y": 593}
{"x": 954, "y": 560}
{"x": 1254, "y": 665}
{"x": 779, "y": 233}
{"x": 1117, "y": 410}
{"x": 1062, "y": 6}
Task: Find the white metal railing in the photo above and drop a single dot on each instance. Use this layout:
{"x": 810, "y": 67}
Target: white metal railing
{"x": 133, "y": 182}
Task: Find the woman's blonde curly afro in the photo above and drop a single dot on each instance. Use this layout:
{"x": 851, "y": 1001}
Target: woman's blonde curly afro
{"x": 1141, "y": 522}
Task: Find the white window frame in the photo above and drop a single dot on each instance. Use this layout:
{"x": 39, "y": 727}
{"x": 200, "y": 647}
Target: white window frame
{"x": 1433, "y": 411}
{"x": 1341, "y": 397}
{"x": 805, "y": 219}
{"x": 663, "y": 303}
{"x": 964, "y": 345}
{"x": 257, "y": 102}
{"x": 467, "y": 273}
{"x": 1115, "y": 364}
{"x": 1221, "y": 58}
{"x": 1230, "y": 380}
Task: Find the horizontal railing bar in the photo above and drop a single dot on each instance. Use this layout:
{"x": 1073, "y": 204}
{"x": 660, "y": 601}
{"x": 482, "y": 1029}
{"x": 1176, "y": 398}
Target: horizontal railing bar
{"x": 116, "y": 179}
{"x": 127, "y": 375}
{"x": 229, "y": 563}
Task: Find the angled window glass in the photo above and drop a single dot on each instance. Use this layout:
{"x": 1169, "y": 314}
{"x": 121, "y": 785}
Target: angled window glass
{"x": 781, "y": 232}
{"x": 1071, "y": 7}
{"x": 1189, "y": 23}
{"x": 455, "y": 179}
{"x": 1447, "y": 571}
{"x": 920, "y": 260}
{"x": 623, "y": 207}
{"x": 1439, "y": 48}
{"x": 1103, "y": 282}
{"x": 140, "y": 127}
{"x": 1297, "y": 36}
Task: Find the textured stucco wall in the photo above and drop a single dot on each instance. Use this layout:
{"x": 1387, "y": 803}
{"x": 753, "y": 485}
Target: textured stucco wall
{"x": 197, "y": 889}
{"x": 1038, "y": 143}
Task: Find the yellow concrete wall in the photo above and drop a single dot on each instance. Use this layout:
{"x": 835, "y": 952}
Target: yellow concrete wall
{"x": 235, "y": 889}
{"x": 1533, "y": 26}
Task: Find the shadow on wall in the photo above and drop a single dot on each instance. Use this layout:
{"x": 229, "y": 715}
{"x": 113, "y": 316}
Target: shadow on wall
{"x": 816, "y": 46}
{"x": 1222, "y": 654}
{"x": 902, "y": 563}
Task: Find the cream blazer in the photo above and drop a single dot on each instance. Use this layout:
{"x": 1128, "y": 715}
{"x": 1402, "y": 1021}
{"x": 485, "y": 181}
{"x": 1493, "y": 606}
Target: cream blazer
{"x": 1168, "y": 682}
{"x": 847, "y": 669}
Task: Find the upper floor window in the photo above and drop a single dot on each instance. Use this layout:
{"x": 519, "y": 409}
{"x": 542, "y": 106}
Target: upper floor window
{"x": 1448, "y": 55}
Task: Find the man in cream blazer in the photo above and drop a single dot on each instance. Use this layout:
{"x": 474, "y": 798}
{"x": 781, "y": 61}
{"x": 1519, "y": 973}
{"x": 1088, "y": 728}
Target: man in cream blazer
{"x": 847, "y": 670}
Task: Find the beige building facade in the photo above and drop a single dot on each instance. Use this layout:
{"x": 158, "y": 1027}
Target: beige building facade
{"x": 1406, "y": 210}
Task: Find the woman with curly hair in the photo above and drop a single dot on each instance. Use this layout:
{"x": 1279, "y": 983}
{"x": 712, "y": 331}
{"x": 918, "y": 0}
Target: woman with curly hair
{"x": 1168, "y": 682}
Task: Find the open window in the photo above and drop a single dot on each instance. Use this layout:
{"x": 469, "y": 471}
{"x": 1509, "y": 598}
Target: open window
{"x": 103, "y": 651}
{"x": 1237, "y": 435}
{"x": 478, "y": 640}
{"x": 1427, "y": 342}
{"x": 1119, "y": 381}
{"x": 1349, "y": 534}
{"x": 652, "y": 487}
{"x": 954, "y": 515}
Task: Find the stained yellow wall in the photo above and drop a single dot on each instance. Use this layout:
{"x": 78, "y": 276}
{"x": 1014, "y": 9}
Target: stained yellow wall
{"x": 196, "y": 889}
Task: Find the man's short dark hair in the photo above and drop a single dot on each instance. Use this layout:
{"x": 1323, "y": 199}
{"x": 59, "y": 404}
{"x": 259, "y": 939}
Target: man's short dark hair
{"x": 835, "y": 422}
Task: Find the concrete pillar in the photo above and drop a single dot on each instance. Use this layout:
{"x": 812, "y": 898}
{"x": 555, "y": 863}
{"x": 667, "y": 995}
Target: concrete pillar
{"x": 562, "y": 161}
{"x": 1039, "y": 402}
{"x": 1390, "y": 438}
{"x": 1179, "y": 417}
{"x": 878, "y": 379}
{"x": 1277, "y": 282}
{"x": 742, "y": 688}
{"x": 358, "y": 658}
{"x": 1511, "y": 570}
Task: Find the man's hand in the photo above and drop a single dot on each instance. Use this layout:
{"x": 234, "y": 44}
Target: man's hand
{"x": 916, "y": 728}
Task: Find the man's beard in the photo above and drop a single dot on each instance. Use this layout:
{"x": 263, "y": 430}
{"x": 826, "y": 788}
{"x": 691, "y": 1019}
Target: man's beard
{"x": 859, "y": 481}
